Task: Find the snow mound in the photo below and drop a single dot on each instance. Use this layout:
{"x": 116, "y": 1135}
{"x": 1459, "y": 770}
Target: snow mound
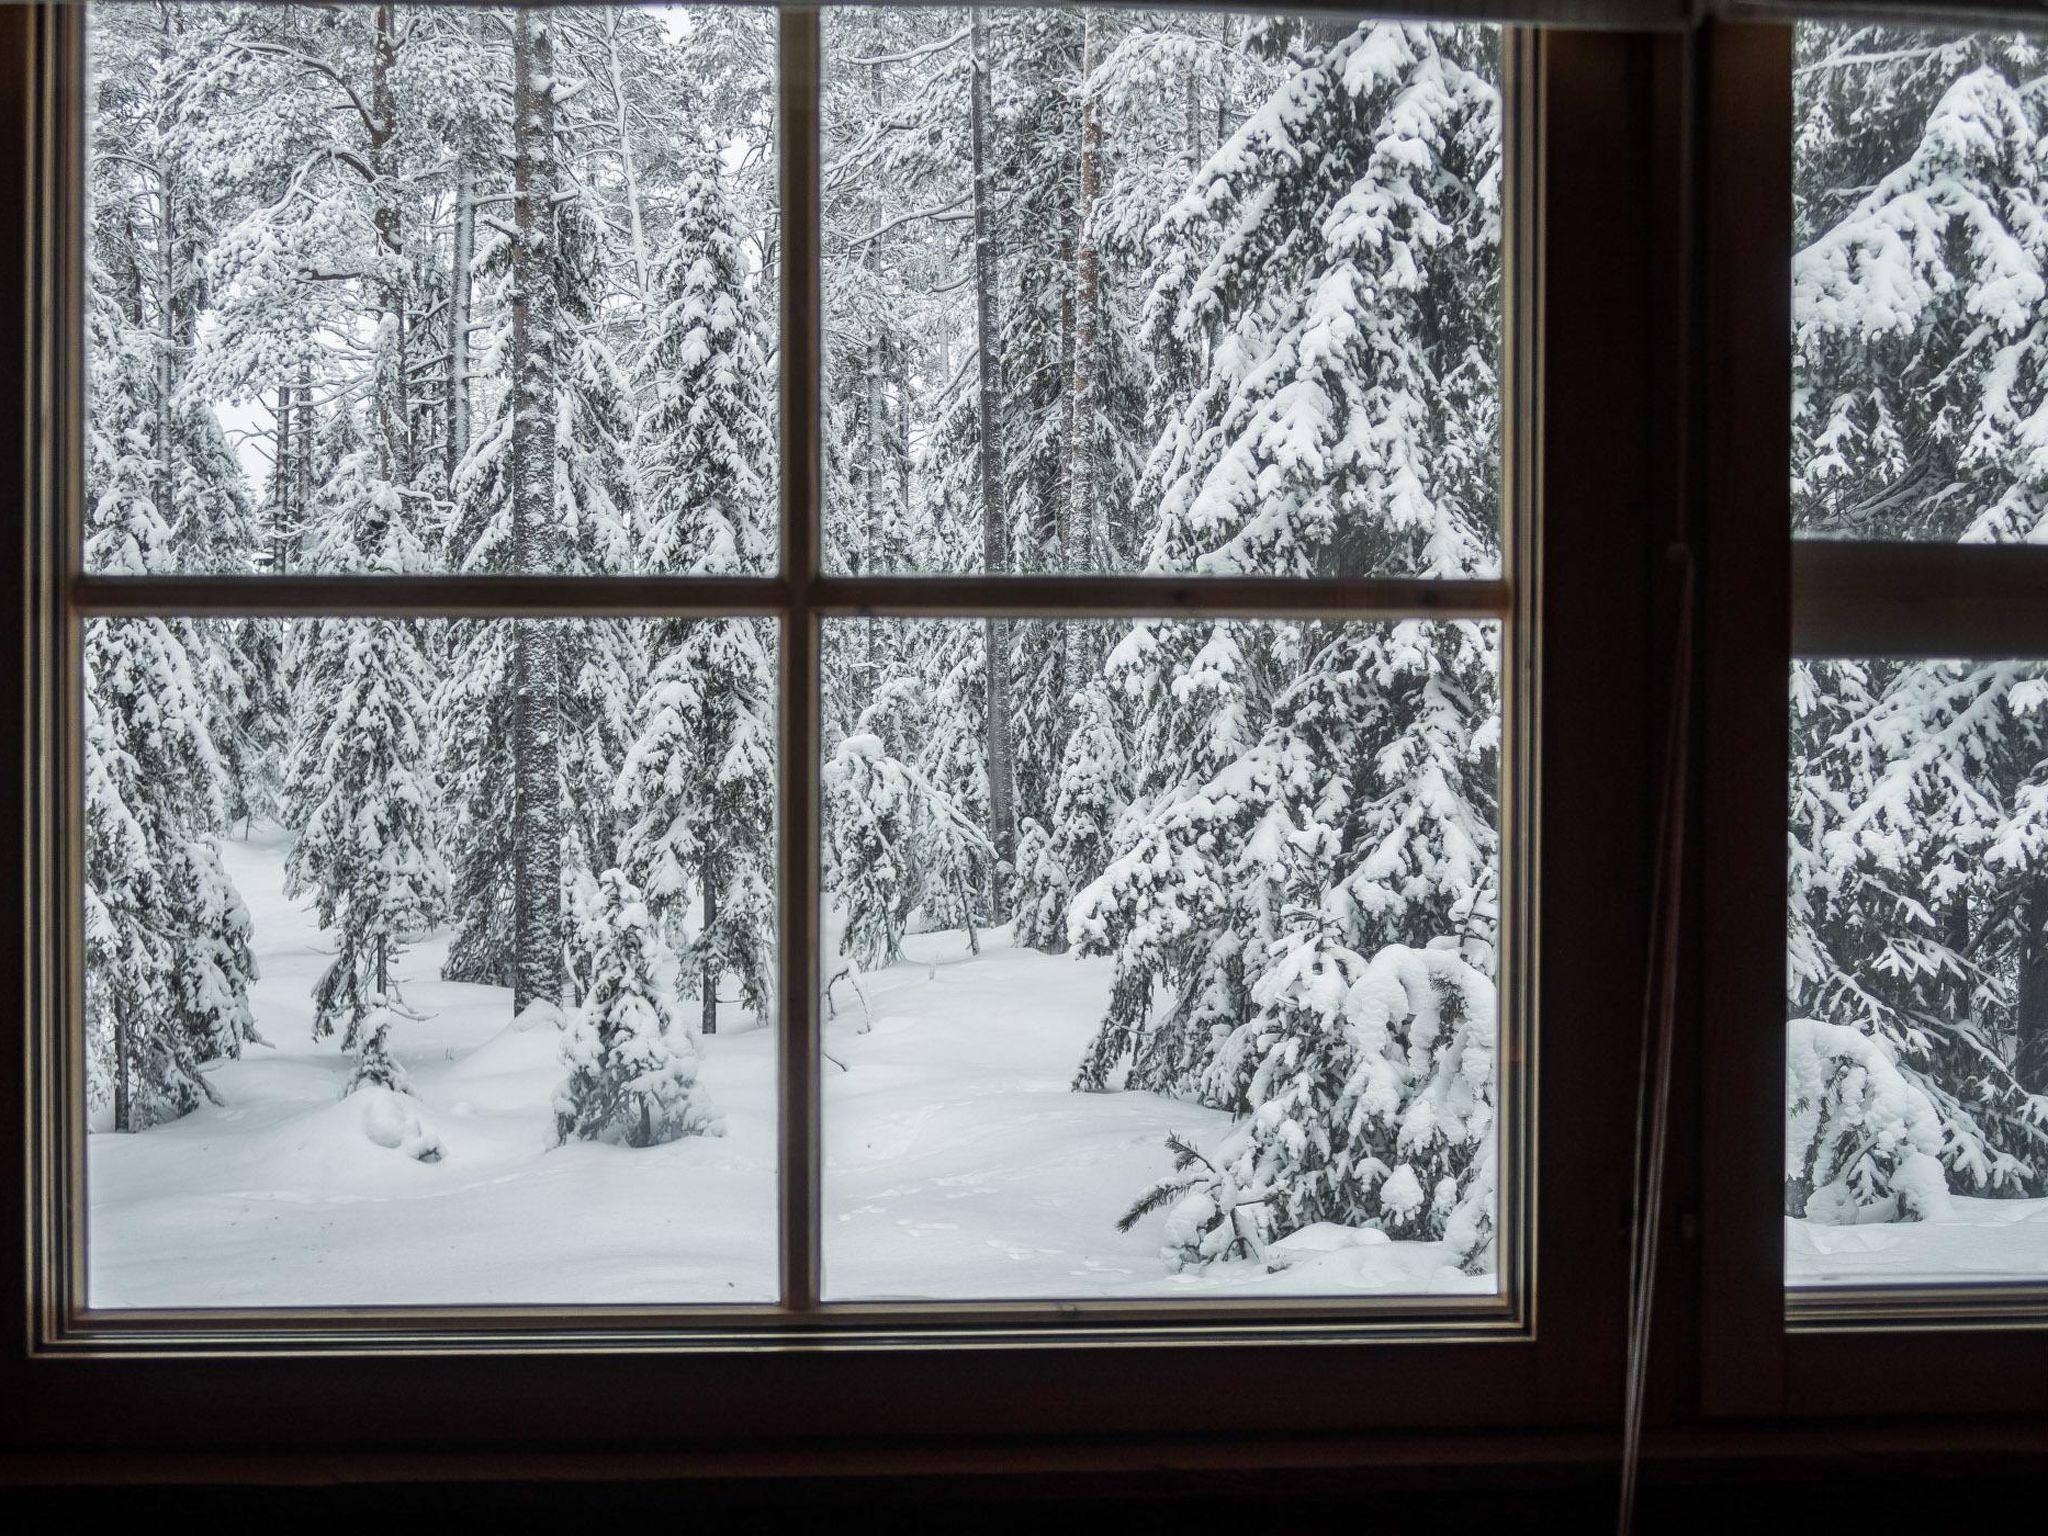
{"x": 1325, "y": 1258}
{"x": 515, "y": 1050}
{"x": 391, "y": 1120}
{"x": 1323, "y": 1237}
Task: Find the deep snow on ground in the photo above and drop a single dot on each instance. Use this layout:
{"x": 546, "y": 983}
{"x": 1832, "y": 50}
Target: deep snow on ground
{"x": 958, "y": 1162}
{"x": 1983, "y": 1240}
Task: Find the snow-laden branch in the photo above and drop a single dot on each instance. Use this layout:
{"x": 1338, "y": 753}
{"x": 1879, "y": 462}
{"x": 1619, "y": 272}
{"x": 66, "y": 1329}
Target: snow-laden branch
{"x": 935, "y": 213}
{"x": 908, "y": 54}
{"x": 377, "y": 126}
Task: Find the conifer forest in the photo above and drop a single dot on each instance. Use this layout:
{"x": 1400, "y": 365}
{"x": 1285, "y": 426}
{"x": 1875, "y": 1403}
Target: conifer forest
{"x": 434, "y": 960}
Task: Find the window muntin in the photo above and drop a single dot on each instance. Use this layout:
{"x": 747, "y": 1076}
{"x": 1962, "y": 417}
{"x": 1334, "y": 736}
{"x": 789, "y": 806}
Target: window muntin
{"x": 1917, "y": 1079}
{"x": 799, "y": 609}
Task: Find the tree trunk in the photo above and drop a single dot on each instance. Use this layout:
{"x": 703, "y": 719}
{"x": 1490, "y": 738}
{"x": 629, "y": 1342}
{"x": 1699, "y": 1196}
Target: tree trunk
{"x": 2030, "y": 1023}
{"x": 281, "y": 484}
{"x": 459, "y": 291}
{"x": 302, "y": 465}
{"x": 1086, "y": 555}
{"x": 167, "y": 326}
{"x": 394, "y": 389}
{"x": 166, "y": 340}
{"x": 995, "y": 540}
{"x": 124, "y": 1100}
{"x": 536, "y": 535}
{"x": 1223, "y": 81}
{"x": 709, "y": 974}
{"x": 628, "y": 168}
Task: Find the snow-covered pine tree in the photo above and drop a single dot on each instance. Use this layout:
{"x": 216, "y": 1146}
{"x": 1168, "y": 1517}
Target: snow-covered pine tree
{"x": 954, "y": 858}
{"x": 1092, "y": 796}
{"x": 870, "y": 818}
{"x": 1914, "y": 836}
{"x": 360, "y": 798}
{"x": 697, "y": 784}
{"x": 593, "y": 529}
{"x": 1322, "y": 324}
{"x": 358, "y": 790}
{"x": 167, "y": 937}
{"x": 632, "y": 1059}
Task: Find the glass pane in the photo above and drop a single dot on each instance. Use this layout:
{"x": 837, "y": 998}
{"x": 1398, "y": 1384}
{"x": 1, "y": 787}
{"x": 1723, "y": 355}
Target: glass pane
{"x": 1166, "y": 290}
{"x": 1179, "y": 984}
{"x": 1918, "y": 299}
{"x": 1917, "y": 1053}
{"x": 429, "y": 962}
{"x": 323, "y": 245}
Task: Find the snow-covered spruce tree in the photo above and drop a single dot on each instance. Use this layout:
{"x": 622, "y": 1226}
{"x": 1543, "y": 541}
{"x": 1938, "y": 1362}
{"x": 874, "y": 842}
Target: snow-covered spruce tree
{"x": 358, "y": 790}
{"x": 1920, "y": 892}
{"x": 1863, "y": 1143}
{"x": 1915, "y": 841}
{"x": 632, "y": 1060}
{"x": 167, "y": 937}
{"x": 1092, "y": 797}
{"x": 360, "y": 798}
{"x": 1372, "y": 1105}
{"x": 955, "y": 860}
{"x": 1322, "y": 327}
{"x": 870, "y": 811}
{"x": 583, "y": 520}
{"x": 697, "y": 784}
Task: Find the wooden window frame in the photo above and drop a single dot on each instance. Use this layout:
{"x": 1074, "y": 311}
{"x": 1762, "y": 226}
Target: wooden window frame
{"x": 1547, "y": 1353}
{"x": 1766, "y": 1349}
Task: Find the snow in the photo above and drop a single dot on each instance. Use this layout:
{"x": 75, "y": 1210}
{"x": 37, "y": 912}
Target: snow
{"x": 1979, "y": 1240}
{"x": 959, "y": 1162}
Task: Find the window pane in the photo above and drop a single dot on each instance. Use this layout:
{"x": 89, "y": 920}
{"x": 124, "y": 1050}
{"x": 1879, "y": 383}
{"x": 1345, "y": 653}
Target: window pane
{"x": 1172, "y": 290}
{"x": 1917, "y": 1054}
{"x": 1918, "y": 292}
{"x": 323, "y": 245}
{"x": 1203, "y": 940}
{"x": 399, "y": 990}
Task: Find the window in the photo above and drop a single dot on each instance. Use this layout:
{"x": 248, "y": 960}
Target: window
{"x": 1917, "y": 1055}
{"x": 584, "y": 856}
{"x": 1823, "y": 397}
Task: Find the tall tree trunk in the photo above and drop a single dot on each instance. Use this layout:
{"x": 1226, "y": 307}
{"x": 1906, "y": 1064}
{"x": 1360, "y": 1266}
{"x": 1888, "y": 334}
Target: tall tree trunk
{"x": 709, "y": 973}
{"x": 460, "y": 287}
{"x": 629, "y": 171}
{"x": 302, "y": 465}
{"x": 994, "y": 526}
{"x": 2030, "y": 1024}
{"x": 281, "y": 473}
{"x": 903, "y": 430}
{"x": 166, "y": 342}
{"x": 124, "y": 1093}
{"x": 536, "y": 534}
{"x": 167, "y": 319}
{"x": 1224, "y": 72}
{"x": 394, "y": 387}
{"x": 1085, "y": 552}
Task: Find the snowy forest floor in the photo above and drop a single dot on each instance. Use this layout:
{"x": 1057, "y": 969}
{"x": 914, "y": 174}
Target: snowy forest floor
{"x": 1981, "y": 1240}
{"x": 958, "y": 1161}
